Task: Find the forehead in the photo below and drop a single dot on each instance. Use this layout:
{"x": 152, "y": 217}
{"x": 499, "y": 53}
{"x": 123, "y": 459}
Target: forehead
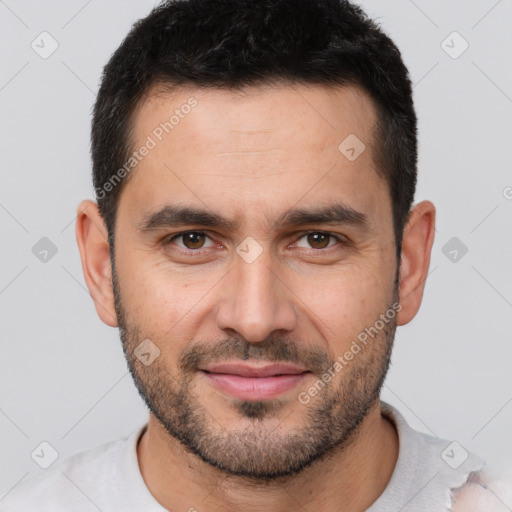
{"x": 312, "y": 112}
{"x": 255, "y": 149}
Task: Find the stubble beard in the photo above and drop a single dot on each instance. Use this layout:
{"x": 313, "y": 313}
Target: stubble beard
{"x": 261, "y": 451}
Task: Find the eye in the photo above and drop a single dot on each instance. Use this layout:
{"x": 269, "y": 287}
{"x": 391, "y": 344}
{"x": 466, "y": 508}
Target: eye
{"x": 319, "y": 240}
{"x": 191, "y": 240}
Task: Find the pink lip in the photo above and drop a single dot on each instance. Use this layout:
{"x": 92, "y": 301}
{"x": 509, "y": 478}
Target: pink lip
{"x": 254, "y": 382}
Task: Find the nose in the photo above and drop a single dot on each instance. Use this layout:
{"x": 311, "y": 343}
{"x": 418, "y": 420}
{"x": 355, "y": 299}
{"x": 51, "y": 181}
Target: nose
{"x": 255, "y": 301}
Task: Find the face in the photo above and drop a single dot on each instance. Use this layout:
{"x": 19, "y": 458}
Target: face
{"x": 258, "y": 259}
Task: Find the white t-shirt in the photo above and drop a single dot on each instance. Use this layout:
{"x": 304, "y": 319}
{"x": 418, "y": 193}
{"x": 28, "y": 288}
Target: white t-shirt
{"x": 108, "y": 478}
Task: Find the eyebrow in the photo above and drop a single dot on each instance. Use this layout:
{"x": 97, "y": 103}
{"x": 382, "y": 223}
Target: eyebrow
{"x": 172, "y": 216}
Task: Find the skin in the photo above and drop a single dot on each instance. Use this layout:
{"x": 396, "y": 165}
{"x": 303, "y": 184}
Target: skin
{"x": 251, "y": 155}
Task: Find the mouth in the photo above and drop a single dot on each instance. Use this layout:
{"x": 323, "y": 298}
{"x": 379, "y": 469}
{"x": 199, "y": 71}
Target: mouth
{"x": 251, "y": 382}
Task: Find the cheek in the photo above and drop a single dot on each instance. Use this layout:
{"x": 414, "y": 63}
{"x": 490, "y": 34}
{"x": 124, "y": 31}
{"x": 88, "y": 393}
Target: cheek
{"x": 344, "y": 303}
{"x": 163, "y": 301}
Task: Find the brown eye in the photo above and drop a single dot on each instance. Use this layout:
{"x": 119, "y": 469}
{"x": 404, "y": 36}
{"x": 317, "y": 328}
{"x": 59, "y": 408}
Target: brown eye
{"x": 189, "y": 240}
{"x": 318, "y": 240}
{"x": 193, "y": 240}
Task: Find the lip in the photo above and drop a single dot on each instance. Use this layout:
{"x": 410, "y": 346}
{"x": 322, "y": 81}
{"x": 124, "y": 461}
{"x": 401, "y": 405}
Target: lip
{"x": 250, "y": 382}
{"x": 246, "y": 370}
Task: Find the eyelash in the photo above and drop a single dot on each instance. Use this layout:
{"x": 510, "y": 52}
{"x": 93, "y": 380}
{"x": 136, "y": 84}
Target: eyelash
{"x": 171, "y": 238}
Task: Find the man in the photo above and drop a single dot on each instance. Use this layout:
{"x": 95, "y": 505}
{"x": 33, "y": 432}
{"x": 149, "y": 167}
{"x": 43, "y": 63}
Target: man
{"x": 254, "y": 240}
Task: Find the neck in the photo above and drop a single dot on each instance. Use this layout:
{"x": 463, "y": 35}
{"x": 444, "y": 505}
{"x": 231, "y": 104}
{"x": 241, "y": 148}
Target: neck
{"x": 354, "y": 476}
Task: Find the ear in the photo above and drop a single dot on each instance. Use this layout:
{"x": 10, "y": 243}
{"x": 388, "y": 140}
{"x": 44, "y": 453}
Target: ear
{"x": 417, "y": 244}
{"x": 92, "y": 239}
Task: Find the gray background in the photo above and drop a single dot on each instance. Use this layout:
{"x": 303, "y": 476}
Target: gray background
{"x": 63, "y": 378}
